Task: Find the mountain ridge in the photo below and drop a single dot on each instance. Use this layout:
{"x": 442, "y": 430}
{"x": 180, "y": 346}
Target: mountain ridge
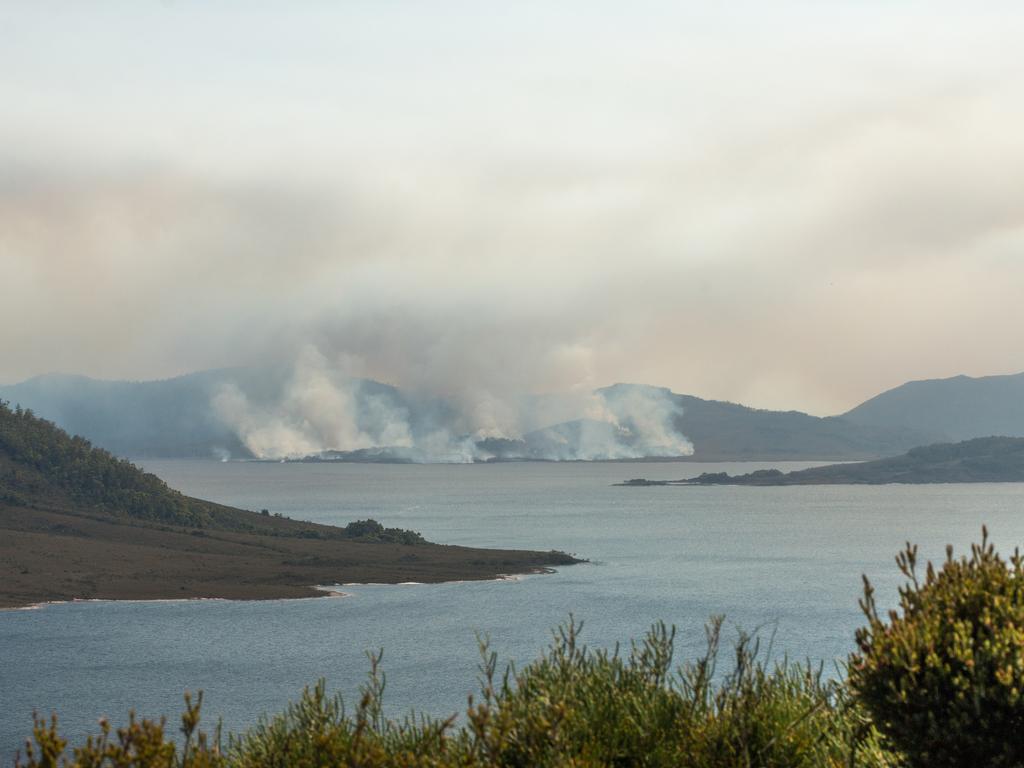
{"x": 954, "y": 408}
{"x": 184, "y": 416}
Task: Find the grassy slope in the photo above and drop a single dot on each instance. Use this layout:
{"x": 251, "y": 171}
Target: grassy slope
{"x": 76, "y": 522}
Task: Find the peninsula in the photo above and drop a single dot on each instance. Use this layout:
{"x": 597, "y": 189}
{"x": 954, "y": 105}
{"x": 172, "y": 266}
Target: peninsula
{"x": 79, "y": 523}
{"x": 981, "y": 460}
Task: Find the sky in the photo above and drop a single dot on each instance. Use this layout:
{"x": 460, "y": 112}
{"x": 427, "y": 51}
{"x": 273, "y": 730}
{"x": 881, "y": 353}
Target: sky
{"x": 791, "y": 205}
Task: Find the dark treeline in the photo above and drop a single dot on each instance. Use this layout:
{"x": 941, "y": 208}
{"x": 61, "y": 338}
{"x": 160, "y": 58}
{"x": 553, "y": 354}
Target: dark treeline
{"x": 41, "y": 461}
{"x": 42, "y": 465}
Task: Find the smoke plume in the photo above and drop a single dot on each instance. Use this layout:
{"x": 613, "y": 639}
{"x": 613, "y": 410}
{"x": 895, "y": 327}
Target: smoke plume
{"x": 322, "y": 410}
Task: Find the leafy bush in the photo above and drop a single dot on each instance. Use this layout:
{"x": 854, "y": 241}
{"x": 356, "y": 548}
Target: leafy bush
{"x": 140, "y": 744}
{"x": 571, "y": 707}
{"x": 578, "y": 707}
{"x": 371, "y": 530}
{"x": 943, "y": 676}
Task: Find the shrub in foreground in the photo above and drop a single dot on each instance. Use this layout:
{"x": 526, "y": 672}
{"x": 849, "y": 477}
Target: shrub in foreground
{"x": 580, "y": 707}
{"x": 571, "y": 707}
{"x": 140, "y": 744}
{"x": 943, "y": 676}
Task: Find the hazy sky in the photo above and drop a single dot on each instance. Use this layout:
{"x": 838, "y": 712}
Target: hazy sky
{"x": 786, "y": 204}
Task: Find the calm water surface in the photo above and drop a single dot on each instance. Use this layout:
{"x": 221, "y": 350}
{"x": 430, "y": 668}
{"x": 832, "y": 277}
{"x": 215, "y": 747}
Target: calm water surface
{"x": 786, "y": 560}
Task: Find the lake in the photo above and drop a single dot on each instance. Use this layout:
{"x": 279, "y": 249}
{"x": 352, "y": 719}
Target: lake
{"x": 785, "y": 561}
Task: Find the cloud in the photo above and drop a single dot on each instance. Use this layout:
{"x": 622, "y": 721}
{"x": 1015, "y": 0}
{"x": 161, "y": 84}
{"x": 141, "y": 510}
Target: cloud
{"x": 795, "y": 207}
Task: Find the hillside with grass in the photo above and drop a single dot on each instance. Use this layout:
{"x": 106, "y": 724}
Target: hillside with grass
{"x": 77, "y": 522}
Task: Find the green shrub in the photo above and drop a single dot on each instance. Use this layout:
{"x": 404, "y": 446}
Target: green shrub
{"x": 371, "y": 530}
{"x": 570, "y": 707}
{"x": 943, "y": 676}
{"x": 593, "y": 708}
{"x": 316, "y": 732}
{"x": 140, "y": 744}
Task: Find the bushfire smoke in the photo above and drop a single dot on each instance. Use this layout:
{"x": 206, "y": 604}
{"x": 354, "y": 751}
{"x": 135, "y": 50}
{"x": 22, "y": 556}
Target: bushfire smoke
{"x": 323, "y": 410}
{"x": 473, "y": 204}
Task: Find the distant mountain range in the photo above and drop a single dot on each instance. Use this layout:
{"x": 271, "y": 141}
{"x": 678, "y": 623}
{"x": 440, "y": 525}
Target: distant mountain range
{"x": 957, "y": 408}
{"x": 722, "y": 431}
{"x": 172, "y": 418}
{"x": 272, "y": 413}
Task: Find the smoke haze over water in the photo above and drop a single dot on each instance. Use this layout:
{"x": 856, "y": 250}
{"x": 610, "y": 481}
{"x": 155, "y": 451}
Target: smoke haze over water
{"x": 772, "y": 203}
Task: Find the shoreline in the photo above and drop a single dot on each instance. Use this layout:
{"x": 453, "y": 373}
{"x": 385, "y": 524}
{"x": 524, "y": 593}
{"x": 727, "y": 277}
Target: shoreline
{"x": 329, "y": 592}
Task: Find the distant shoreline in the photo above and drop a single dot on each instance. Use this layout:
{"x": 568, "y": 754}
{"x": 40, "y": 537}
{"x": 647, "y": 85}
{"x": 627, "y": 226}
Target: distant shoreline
{"x": 645, "y": 460}
{"x": 320, "y": 592}
{"x": 994, "y": 459}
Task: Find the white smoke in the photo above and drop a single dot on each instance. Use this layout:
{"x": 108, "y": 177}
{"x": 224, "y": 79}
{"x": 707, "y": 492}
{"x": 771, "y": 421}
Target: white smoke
{"x": 620, "y": 422}
{"x": 649, "y": 416}
{"x": 322, "y": 409}
{"x": 222, "y": 455}
{"x": 319, "y": 410}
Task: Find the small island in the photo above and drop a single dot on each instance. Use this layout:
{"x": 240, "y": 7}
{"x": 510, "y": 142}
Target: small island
{"x": 78, "y": 523}
{"x": 982, "y": 460}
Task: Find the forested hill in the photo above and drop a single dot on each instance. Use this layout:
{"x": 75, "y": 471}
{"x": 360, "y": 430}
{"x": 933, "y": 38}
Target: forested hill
{"x": 42, "y": 466}
{"x": 79, "y": 523}
{"x": 982, "y": 460}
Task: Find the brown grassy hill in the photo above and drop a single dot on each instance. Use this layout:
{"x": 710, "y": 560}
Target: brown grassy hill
{"x": 76, "y": 522}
